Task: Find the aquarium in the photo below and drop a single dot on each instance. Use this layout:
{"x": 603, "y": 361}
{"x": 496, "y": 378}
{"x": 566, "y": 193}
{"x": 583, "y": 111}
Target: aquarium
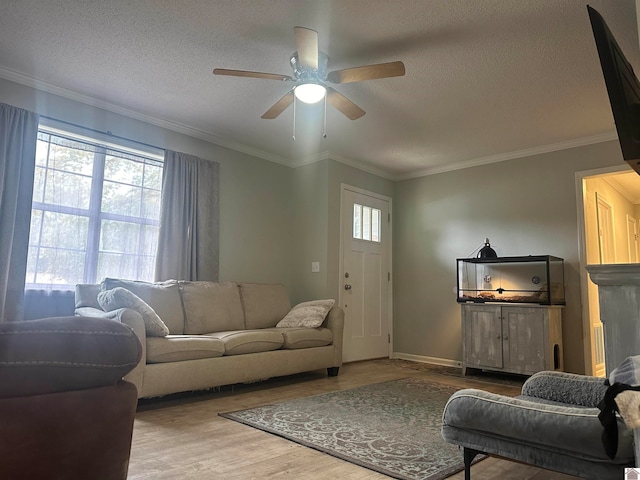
{"x": 535, "y": 279}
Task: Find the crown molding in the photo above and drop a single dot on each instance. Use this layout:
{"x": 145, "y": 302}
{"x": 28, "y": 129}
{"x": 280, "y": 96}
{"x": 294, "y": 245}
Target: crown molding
{"x": 328, "y": 155}
{"x": 213, "y": 138}
{"x": 47, "y": 87}
{"x": 503, "y": 157}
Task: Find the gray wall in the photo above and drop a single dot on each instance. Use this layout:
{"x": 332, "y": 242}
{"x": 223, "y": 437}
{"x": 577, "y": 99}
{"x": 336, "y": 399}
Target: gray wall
{"x": 525, "y": 206}
{"x": 255, "y": 195}
{"x": 316, "y": 193}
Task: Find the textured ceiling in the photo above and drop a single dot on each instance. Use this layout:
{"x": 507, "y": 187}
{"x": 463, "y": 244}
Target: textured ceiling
{"x": 486, "y": 80}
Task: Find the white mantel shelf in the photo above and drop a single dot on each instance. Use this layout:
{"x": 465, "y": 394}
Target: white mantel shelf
{"x": 619, "y": 298}
{"x": 615, "y": 274}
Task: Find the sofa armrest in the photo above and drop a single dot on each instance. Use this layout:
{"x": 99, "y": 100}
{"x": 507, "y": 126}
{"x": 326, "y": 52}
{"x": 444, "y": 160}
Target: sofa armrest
{"x": 568, "y": 388}
{"x": 59, "y": 354}
{"x": 335, "y": 323}
{"x": 134, "y": 320}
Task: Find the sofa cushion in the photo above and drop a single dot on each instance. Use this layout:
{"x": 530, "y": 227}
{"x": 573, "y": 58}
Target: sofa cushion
{"x": 307, "y": 314}
{"x": 64, "y": 353}
{"x": 87, "y": 295}
{"x": 264, "y": 304}
{"x": 177, "y": 348}
{"x": 163, "y": 297}
{"x": 249, "y": 341}
{"x": 211, "y": 307}
{"x": 301, "y": 337}
{"x": 122, "y": 298}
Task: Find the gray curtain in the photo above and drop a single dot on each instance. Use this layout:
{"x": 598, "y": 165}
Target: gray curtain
{"x": 189, "y": 219}
{"x": 18, "y": 136}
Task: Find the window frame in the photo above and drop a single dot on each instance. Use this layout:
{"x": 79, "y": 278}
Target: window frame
{"x": 103, "y": 146}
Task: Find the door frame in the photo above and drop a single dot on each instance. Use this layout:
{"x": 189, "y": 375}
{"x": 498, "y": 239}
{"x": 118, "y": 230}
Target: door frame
{"x": 582, "y": 254}
{"x": 389, "y": 250}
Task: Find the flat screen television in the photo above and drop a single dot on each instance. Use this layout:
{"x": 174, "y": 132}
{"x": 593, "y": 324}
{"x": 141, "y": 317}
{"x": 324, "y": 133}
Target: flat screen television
{"x": 623, "y": 89}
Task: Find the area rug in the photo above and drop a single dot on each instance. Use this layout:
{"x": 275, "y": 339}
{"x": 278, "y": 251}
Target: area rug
{"x": 391, "y": 427}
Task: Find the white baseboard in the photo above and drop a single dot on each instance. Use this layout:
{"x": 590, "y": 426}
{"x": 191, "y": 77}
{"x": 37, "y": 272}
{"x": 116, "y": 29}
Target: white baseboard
{"x": 422, "y": 359}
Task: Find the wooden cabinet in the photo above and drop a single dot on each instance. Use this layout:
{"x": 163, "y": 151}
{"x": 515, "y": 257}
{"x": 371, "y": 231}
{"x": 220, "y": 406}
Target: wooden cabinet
{"x": 511, "y": 338}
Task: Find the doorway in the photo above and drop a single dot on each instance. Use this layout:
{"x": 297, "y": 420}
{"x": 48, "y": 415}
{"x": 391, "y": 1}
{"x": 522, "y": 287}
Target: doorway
{"x": 365, "y": 274}
{"x": 608, "y": 212}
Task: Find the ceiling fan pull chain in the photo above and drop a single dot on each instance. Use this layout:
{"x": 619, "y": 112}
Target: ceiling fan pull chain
{"x": 294, "y": 118}
{"x": 324, "y": 119}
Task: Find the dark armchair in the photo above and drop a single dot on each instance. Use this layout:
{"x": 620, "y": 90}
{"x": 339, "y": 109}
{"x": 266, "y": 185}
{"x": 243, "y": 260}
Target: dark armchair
{"x": 64, "y": 410}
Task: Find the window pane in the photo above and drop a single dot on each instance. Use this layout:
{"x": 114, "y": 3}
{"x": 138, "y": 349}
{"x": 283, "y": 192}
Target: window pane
{"x": 357, "y": 221}
{"x": 70, "y": 157}
{"x": 62, "y": 230}
{"x": 56, "y": 266}
{"x": 375, "y": 225}
{"x": 121, "y": 237}
{"x": 38, "y": 184}
{"x": 67, "y": 189}
{"x": 42, "y": 150}
{"x": 123, "y": 170}
{"x": 116, "y": 265}
{"x": 149, "y": 241}
{"x": 366, "y": 223}
{"x": 121, "y": 199}
{"x": 150, "y": 204}
{"x": 153, "y": 177}
{"x": 62, "y": 267}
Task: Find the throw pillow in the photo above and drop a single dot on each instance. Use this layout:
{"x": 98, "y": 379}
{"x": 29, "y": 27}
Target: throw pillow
{"x": 122, "y": 298}
{"x": 307, "y": 314}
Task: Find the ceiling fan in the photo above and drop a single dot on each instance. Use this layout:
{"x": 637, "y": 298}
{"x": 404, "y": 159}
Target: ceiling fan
{"x": 310, "y": 76}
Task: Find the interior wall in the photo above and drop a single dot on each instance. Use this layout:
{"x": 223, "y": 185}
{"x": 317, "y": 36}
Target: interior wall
{"x": 316, "y": 194}
{"x": 525, "y": 206}
{"x": 255, "y": 195}
{"x": 310, "y": 223}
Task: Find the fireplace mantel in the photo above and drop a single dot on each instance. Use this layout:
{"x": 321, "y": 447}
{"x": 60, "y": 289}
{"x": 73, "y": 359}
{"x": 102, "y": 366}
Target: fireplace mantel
{"x": 619, "y": 298}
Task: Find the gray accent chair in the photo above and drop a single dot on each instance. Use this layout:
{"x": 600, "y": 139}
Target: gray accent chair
{"x": 553, "y": 424}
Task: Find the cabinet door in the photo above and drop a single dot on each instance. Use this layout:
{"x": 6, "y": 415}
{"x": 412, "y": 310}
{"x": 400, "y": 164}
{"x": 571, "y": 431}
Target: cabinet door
{"x": 482, "y": 336}
{"x": 524, "y": 342}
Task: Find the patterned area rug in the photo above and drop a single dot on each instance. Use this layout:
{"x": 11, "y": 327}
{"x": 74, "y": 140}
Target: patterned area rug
{"x": 391, "y": 427}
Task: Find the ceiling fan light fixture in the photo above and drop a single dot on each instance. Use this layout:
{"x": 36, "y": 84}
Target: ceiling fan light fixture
{"x": 310, "y": 92}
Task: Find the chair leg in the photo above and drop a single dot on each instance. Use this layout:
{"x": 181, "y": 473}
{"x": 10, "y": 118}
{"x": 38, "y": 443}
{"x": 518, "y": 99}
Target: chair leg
{"x": 468, "y": 454}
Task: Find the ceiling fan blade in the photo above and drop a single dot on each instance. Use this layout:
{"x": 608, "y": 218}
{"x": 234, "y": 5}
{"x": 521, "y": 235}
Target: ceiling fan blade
{"x": 279, "y": 107}
{"x": 343, "y": 104}
{"x": 369, "y": 72}
{"x": 307, "y": 46}
{"x": 245, "y": 73}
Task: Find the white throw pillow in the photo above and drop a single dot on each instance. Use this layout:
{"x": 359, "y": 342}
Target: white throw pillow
{"x": 122, "y": 298}
{"x": 307, "y": 314}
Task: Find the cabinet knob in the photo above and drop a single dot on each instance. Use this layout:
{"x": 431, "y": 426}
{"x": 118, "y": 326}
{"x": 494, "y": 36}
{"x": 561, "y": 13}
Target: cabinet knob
{"x": 506, "y": 338}
{"x": 498, "y": 337}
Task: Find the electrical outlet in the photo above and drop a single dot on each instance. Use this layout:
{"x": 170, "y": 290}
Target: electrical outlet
{"x": 315, "y": 267}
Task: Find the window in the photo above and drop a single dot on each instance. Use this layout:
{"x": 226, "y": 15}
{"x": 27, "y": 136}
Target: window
{"x": 95, "y": 212}
{"x": 366, "y": 223}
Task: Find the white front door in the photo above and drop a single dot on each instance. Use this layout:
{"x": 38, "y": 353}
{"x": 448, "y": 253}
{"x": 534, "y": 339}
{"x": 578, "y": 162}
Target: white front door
{"x": 365, "y": 274}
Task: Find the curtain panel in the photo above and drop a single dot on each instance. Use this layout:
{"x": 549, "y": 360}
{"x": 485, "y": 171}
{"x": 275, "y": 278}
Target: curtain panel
{"x": 188, "y": 240}
{"x": 18, "y": 134}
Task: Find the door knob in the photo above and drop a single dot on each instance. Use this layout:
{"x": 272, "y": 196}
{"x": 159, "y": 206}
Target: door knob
{"x": 347, "y": 287}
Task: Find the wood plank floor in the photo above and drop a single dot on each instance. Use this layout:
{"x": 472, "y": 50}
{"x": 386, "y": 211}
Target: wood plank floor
{"x": 182, "y": 437}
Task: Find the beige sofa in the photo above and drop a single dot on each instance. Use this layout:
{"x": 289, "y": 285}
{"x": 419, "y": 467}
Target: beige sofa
{"x": 219, "y": 334}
